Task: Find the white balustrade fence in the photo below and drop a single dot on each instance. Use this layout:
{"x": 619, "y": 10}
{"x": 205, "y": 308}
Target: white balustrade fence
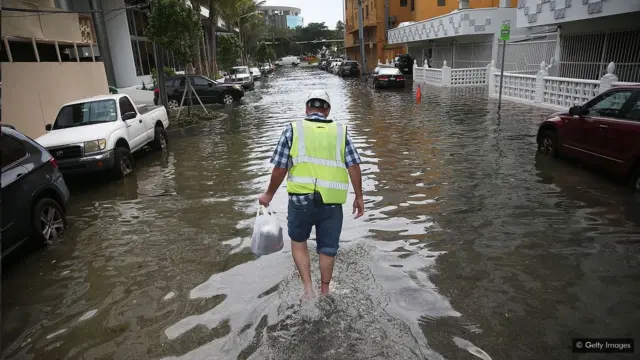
{"x": 447, "y": 76}
{"x": 549, "y": 91}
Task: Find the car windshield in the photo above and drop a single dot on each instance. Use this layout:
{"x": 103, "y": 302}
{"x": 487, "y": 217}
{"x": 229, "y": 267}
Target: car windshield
{"x": 389, "y": 71}
{"x": 239, "y": 71}
{"x": 255, "y": 70}
{"x": 87, "y": 113}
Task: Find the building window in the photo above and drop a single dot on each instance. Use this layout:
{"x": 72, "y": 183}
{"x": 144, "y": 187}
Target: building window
{"x": 413, "y": 5}
{"x": 442, "y": 3}
{"x": 403, "y": 3}
{"x": 367, "y": 11}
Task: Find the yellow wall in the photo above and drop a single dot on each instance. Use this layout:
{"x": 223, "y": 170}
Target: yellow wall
{"x": 34, "y": 92}
{"x": 429, "y": 9}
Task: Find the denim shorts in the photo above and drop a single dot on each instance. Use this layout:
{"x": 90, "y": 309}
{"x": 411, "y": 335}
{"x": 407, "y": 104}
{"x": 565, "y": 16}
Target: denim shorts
{"x": 326, "y": 218}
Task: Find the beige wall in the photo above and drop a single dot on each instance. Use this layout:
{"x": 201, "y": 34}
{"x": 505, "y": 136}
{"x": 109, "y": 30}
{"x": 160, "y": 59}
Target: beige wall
{"x": 34, "y": 92}
{"x": 45, "y": 26}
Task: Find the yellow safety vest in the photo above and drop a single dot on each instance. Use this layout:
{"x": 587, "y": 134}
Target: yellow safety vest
{"x": 318, "y": 153}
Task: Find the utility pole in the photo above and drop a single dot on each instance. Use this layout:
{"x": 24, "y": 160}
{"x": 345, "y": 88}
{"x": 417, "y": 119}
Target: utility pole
{"x": 361, "y": 33}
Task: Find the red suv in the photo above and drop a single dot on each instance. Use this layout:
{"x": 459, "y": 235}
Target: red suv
{"x": 604, "y": 133}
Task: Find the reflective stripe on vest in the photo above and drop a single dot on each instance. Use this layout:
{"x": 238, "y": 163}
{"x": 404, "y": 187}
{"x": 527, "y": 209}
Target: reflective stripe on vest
{"x": 302, "y": 158}
{"x": 321, "y": 183}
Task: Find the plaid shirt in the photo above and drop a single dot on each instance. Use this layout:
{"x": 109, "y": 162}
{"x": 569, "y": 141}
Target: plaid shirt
{"x": 282, "y": 158}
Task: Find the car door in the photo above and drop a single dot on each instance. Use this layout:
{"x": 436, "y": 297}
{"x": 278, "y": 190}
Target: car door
{"x": 202, "y": 89}
{"x": 594, "y": 138}
{"x": 619, "y": 134}
{"x": 135, "y": 126}
{"x": 16, "y": 218}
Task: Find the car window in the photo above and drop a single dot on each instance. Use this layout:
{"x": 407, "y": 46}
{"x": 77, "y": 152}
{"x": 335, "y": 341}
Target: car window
{"x": 183, "y": 82}
{"x": 199, "y": 81}
{"x": 609, "y": 104}
{"x": 375, "y": 71}
{"x": 634, "y": 112}
{"x": 86, "y": 113}
{"x": 171, "y": 82}
{"x": 126, "y": 106}
{"x": 11, "y": 150}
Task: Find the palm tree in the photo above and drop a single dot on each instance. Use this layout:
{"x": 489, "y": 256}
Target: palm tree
{"x": 250, "y": 24}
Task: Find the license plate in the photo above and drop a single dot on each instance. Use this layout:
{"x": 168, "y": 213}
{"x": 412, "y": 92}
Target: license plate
{"x": 392, "y": 78}
{"x": 406, "y": 69}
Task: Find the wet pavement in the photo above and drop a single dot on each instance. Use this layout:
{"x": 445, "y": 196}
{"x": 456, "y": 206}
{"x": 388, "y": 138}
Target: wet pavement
{"x": 471, "y": 247}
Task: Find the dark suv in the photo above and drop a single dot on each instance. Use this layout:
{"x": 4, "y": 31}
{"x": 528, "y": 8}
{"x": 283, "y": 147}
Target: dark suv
{"x": 349, "y": 68}
{"x": 209, "y": 91}
{"x": 34, "y": 194}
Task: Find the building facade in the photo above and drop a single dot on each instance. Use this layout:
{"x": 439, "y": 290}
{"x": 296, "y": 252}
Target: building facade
{"x": 282, "y": 17}
{"x": 381, "y": 17}
{"x": 47, "y": 60}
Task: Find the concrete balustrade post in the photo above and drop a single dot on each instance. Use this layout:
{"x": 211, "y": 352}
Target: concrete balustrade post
{"x": 491, "y": 71}
{"x": 446, "y": 74}
{"x": 607, "y": 80}
{"x": 542, "y": 73}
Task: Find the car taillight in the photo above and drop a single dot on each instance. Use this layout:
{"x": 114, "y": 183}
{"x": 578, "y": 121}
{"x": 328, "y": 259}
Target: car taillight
{"x": 399, "y": 77}
{"x": 53, "y": 163}
{"x": 383, "y": 78}
{"x": 156, "y": 90}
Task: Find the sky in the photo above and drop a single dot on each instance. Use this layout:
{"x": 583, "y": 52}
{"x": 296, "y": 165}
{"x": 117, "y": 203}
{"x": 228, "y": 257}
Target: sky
{"x": 327, "y": 11}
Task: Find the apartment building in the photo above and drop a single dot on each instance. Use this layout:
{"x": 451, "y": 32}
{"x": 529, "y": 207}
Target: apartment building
{"x": 48, "y": 59}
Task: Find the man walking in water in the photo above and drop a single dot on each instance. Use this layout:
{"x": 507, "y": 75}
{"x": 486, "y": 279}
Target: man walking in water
{"x": 320, "y": 158}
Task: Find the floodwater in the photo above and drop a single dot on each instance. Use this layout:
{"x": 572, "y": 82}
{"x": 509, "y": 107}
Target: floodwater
{"x": 471, "y": 247}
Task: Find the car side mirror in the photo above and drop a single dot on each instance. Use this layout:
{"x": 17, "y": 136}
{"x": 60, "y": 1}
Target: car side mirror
{"x": 129, "y": 115}
{"x": 210, "y": 85}
{"x": 48, "y": 127}
{"x": 576, "y": 110}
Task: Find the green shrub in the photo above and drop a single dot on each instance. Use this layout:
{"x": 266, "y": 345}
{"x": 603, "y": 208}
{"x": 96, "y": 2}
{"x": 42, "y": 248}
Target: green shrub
{"x": 167, "y": 72}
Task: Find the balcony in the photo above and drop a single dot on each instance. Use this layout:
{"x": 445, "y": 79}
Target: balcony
{"x": 536, "y": 13}
{"x": 46, "y": 26}
{"x": 485, "y": 21}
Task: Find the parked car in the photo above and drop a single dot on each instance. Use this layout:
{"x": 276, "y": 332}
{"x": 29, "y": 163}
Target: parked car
{"x": 255, "y": 72}
{"x": 349, "y": 68}
{"x": 404, "y": 62}
{"x": 288, "y": 61}
{"x": 335, "y": 69}
{"x": 240, "y": 75}
{"x": 34, "y": 193}
{"x": 100, "y": 133}
{"x": 386, "y": 77}
{"x": 603, "y": 133}
{"x": 209, "y": 91}
{"x": 333, "y": 64}
{"x": 266, "y": 68}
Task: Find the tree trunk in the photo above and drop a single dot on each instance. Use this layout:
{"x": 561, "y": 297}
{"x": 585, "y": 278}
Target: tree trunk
{"x": 213, "y": 46}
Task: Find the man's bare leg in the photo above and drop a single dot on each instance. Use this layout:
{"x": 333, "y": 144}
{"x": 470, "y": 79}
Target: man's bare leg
{"x": 326, "y": 272}
{"x": 300, "y": 254}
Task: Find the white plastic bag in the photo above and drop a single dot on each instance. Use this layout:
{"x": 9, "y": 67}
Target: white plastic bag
{"x": 267, "y": 233}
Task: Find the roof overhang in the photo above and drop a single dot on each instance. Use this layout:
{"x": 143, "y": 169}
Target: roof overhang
{"x": 485, "y": 21}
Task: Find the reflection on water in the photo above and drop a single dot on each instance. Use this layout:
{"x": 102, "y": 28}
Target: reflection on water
{"x": 471, "y": 247}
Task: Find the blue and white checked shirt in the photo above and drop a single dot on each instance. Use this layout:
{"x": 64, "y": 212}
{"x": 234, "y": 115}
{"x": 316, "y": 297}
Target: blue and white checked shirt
{"x": 282, "y": 158}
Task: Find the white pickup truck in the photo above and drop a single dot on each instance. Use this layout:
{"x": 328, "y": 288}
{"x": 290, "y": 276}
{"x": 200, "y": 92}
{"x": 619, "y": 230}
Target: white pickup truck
{"x": 101, "y": 132}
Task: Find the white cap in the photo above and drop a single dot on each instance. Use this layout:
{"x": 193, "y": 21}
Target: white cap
{"x": 319, "y": 95}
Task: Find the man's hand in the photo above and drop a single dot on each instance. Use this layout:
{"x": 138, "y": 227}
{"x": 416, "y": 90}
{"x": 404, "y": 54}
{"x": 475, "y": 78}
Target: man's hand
{"x": 358, "y": 205}
{"x": 265, "y": 199}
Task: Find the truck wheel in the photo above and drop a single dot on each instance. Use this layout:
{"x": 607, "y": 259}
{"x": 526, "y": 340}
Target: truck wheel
{"x": 160, "y": 140}
{"x": 123, "y": 164}
{"x": 48, "y": 221}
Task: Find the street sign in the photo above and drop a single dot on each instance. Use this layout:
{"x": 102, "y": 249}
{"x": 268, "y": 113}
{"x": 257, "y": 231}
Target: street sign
{"x": 505, "y": 32}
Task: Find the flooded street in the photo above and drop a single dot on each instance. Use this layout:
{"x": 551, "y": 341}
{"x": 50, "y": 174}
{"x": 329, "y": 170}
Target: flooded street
{"x": 471, "y": 246}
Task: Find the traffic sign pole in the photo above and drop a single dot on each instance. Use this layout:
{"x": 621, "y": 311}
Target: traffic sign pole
{"x": 505, "y": 32}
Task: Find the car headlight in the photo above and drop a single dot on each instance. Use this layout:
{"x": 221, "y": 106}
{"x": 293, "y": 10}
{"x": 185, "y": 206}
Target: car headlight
{"x": 93, "y": 146}
{"x": 237, "y": 87}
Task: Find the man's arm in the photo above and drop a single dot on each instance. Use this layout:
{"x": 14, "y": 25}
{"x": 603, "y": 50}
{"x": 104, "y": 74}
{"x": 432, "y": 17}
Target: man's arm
{"x": 280, "y": 161}
{"x": 352, "y": 162}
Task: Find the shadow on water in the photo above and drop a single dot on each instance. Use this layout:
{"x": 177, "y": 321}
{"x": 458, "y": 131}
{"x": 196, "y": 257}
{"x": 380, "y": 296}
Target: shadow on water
{"x": 471, "y": 247}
